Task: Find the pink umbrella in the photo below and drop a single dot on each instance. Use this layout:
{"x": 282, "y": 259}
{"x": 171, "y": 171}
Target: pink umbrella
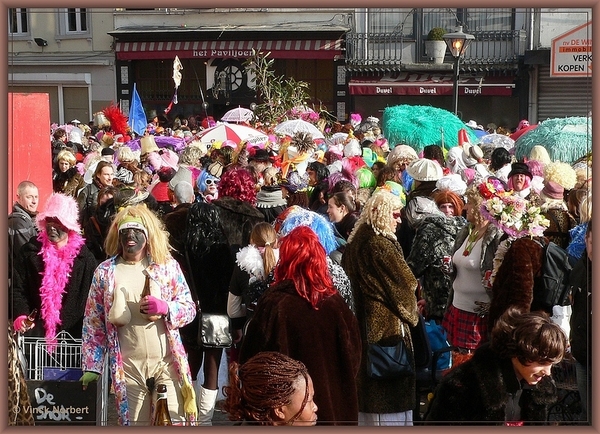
{"x": 234, "y": 132}
{"x": 522, "y": 131}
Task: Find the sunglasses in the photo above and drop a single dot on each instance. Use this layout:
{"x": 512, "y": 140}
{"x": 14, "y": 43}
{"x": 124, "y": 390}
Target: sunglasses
{"x": 211, "y": 182}
{"x": 396, "y": 215}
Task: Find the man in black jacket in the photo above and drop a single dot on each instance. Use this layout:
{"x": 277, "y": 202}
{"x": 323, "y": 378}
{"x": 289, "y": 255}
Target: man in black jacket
{"x": 21, "y": 224}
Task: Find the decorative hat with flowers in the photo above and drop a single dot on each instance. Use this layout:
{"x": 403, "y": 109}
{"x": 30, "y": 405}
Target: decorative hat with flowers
{"x": 511, "y": 213}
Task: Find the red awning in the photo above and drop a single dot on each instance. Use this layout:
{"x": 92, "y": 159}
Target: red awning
{"x": 292, "y": 49}
{"x": 409, "y": 83}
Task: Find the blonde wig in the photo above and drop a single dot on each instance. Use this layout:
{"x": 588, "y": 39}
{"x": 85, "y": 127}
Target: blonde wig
{"x": 66, "y": 155}
{"x": 125, "y": 155}
{"x": 378, "y": 213}
{"x": 158, "y": 239}
{"x": 475, "y": 199}
{"x": 561, "y": 173}
{"x": 585, "y": 208}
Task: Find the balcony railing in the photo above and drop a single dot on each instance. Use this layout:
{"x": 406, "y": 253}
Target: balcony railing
{"x": 490, "y": 49}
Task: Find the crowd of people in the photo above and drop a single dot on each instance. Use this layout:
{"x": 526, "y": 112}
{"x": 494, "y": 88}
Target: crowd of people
{"x": 315, "y": 249}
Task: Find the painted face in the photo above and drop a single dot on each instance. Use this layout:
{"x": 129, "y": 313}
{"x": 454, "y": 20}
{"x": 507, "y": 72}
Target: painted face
{"x": 335, "y": 213}
{"x": 56, "y": 231}
{"x": 308, "y": 417}
{"x": 447, "y": 208}
{"x": 518, "y": 181}
{"x": 132, "y": 241}
{"x": 533, "y": 372}
{"x": 29, "y": 199}
{"x": 106, "y": 175}
{"x": 63, "y": 165}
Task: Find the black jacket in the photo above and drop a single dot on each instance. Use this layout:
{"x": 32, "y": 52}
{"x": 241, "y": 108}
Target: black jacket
{"x": 24, "y": 295}
{"x": 580, "y": 281}
{"x": 477, "y": 392}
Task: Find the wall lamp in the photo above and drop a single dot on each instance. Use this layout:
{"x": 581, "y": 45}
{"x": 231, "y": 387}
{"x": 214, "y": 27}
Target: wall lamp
{"x": 41, "y": 42}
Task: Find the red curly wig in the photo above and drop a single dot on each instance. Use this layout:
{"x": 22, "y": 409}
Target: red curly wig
{"x": 303, "y": 260}
{"x": 238, "y": 183}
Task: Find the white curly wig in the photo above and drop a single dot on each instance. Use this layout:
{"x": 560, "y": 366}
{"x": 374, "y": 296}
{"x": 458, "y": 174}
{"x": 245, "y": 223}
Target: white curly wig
{"x": 377, "y": 213}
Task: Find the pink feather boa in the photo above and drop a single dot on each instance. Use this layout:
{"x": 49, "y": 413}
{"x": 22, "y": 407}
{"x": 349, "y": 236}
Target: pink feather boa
{"x": 57, "y": 272}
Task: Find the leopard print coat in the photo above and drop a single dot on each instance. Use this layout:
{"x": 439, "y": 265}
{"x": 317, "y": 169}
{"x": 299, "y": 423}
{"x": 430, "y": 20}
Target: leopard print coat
{"x": 19, "y": 408}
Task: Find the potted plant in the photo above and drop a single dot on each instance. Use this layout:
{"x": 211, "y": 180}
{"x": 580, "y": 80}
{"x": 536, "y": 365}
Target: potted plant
{"x": 435, "y": 46}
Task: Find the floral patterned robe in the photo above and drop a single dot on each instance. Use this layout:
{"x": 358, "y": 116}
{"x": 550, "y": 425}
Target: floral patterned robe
{"x": 99, "y": 335}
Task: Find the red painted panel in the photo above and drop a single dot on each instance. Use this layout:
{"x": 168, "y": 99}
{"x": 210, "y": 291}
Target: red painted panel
{"x": 29, "y": 146}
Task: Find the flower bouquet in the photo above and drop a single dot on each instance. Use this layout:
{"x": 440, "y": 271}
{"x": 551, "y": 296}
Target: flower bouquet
{"x": 514, "y": 215}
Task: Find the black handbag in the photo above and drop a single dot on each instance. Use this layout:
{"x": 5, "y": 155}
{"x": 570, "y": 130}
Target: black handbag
{"x": 389, "y": 362}
{"x": 213, "y": 328}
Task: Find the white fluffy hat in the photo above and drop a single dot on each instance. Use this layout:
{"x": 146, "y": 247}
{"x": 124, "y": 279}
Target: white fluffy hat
{"x": 425, "y": 170}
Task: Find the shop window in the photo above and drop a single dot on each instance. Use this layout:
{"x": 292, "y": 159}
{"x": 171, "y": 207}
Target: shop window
{"x": 18, "y": 24}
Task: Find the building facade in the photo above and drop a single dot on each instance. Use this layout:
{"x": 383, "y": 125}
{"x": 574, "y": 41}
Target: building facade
{"x": 65, "y": 52}
{"x": 504, "y": 76}
{"x": 213, "y": 45}
{"x": 354, "y": 60}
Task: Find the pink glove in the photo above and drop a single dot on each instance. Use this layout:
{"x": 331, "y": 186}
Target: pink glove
{"x": 19, "y": 324}
{"x": 156, "y": 306}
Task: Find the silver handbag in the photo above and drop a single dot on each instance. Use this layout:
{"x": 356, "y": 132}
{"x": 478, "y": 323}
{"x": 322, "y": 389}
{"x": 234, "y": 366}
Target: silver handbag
{"x": 215, "y": 330}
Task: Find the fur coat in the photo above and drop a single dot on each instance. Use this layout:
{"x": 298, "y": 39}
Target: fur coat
{"x": 513, "y": 284}
{"x": 27, "y": 280}
{"x": 326, "y": 340}
{"x": 478, "y": 391}
{"x": 434, "y": 239}
{"x": 385, "y": 301}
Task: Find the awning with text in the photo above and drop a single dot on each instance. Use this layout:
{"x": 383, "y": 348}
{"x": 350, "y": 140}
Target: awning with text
{"x": 279, "y": 49}
{"x": 411, "y": 83}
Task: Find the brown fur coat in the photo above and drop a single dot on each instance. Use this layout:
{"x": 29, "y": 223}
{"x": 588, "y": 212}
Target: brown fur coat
{"x": 326, "y": 340}
{"x": 384, "y": 296}
{"x": 513, "y": 284}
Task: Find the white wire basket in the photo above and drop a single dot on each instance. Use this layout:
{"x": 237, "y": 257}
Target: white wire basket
{"x": 63, "y": 363}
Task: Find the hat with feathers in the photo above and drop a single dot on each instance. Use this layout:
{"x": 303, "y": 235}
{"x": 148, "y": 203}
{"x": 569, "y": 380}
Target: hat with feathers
{"x": 62, "y": 207}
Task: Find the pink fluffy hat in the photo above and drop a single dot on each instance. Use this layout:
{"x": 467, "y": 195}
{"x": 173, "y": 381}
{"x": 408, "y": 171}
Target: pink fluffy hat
{"x": 62, "y": 207}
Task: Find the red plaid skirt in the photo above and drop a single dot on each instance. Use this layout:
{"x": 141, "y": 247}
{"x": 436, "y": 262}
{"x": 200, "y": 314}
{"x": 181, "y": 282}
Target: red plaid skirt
{"x": 465, "y": 329}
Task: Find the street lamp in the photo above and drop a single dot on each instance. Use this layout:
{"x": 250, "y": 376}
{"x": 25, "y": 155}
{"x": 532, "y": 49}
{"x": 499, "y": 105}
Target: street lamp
{"x": 457, "y": 43}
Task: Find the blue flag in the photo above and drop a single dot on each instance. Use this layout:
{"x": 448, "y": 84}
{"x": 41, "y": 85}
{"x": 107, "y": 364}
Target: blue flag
{"x": 137, "y": 116}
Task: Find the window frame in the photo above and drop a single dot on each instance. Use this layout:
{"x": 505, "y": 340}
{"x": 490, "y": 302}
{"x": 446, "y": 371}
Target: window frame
{"x": 63, "y": 23}
{"x": 20, "y": 12}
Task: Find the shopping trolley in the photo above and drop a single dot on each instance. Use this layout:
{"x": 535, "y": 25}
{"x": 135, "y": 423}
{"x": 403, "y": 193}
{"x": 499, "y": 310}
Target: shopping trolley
{"x": 58, "y": 369}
